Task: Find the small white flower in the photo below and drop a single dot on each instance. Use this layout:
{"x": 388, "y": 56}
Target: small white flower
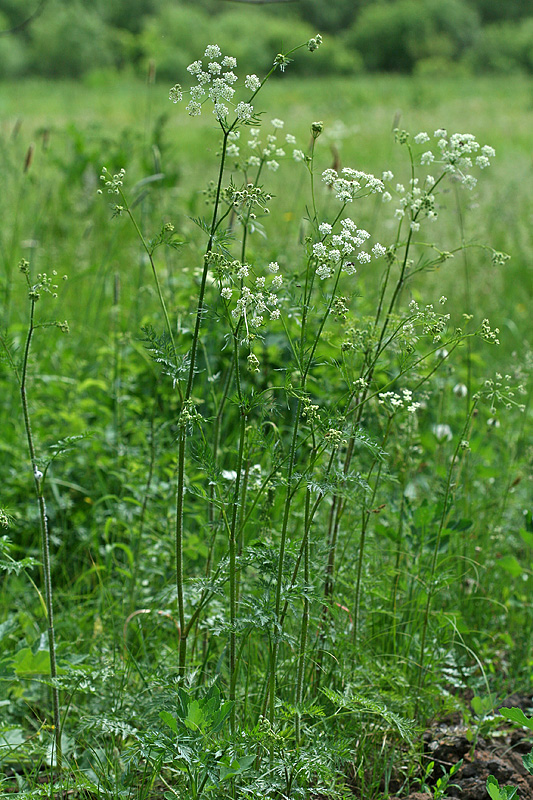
{"x": 197, "y": 92}
{"x": 298, "y": 155}
{"x": 212, "y": 51}
{"x": 273, "y": 266}
{"x": 378, "y": 250}
{"x": 387, "y": 175}
{"x": 422, "y": 137}
{"x": 244, "y": 111}
{"x": 195, "y": 67}
{"x": 194, "y": 109}
{"x": 277, "y": 123}
{"x": 427, "y": 157}
{"x": 214, "y": 68}
{"x": 252, "y": 82}
{"x": 220, "y": 110}
{"x": 325, "y": 228}
{"x": 272, "y": 165}
{"x": 386, "y": 197}
{"x": 175, "y": 94}
{"x": 229, "y": 62}
{"x": 226, "y": 292}
{"x": 290, "y": 139}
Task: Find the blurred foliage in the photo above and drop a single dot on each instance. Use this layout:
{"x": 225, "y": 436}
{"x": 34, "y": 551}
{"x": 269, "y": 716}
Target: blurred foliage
{"x": 396, "y": 36}
{"x": 71, "y": 38}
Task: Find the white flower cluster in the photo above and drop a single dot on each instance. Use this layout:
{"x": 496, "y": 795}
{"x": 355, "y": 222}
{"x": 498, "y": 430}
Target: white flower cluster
{"x": 256, "y": 298}
{"x": 351, "y": 183}
{"x": 394, "y": 401}
{"x": 215, "y": 80}
{"x": 458, "y": 153}
{"x": 269, "y": 150}
{"x": 335, "y": 249}
{"x": 420, "y": 202}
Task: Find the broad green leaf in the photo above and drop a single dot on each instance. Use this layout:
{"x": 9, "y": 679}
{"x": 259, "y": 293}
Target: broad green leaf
{"x": 511, "y": 565}
{"x": 527, "y": 537}
{"x": 482, "y": 705}
{"x": 195, "y": 716}
{"x": 493, "y": 788}
{"x": 26, "y": 663}
{"x": 518, "y": 716}
{"x": 237, "y": 767}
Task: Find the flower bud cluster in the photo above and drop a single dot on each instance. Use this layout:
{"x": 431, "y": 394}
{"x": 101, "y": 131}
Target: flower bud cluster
{"x": 500, "y": 391}
{"x": 351, "y": 183}
{"x": 488, "y": 334}
{"x": 338, "y": 249}
{"x": 433, "y": 324}
{"x": 314, "y": 43}
{"x": 45, "y": 283}
{"x": 112, "y": 182}
{"x": 247, "y": 200}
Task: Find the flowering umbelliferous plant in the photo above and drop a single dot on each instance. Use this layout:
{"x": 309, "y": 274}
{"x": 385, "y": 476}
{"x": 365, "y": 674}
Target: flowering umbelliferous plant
{"x": 279, "y": 460}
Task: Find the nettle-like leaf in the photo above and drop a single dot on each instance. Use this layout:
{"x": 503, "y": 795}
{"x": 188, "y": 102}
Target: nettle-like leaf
{"x": 10, "y": 565}
{"x": 161, "y": 350}
{"x": 64, "y": 446}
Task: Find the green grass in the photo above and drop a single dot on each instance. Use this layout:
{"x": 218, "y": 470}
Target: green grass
{"x": 498, "y": 110}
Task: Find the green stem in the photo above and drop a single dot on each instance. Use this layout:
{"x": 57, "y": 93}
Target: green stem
{"x": 45, "y": 540}
{"x": 431, "y": 582}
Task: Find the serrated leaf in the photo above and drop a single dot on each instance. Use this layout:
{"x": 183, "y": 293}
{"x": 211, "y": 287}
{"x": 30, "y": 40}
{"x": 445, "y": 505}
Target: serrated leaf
{"x": 517, "y": 715}
{"x": 527, "y": 761}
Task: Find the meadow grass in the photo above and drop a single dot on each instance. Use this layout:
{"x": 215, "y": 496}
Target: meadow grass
{"x": 273, "y": 558}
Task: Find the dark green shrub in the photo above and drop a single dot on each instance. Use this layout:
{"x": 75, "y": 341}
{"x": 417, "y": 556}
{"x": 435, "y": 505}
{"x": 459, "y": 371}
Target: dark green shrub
{"x": 175, "y": 37}
{"x": 70, "y": 40}
{"x": 395, "y": 36}
{"x": 504, "y": 47}
{"x": 14, "y": 57}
